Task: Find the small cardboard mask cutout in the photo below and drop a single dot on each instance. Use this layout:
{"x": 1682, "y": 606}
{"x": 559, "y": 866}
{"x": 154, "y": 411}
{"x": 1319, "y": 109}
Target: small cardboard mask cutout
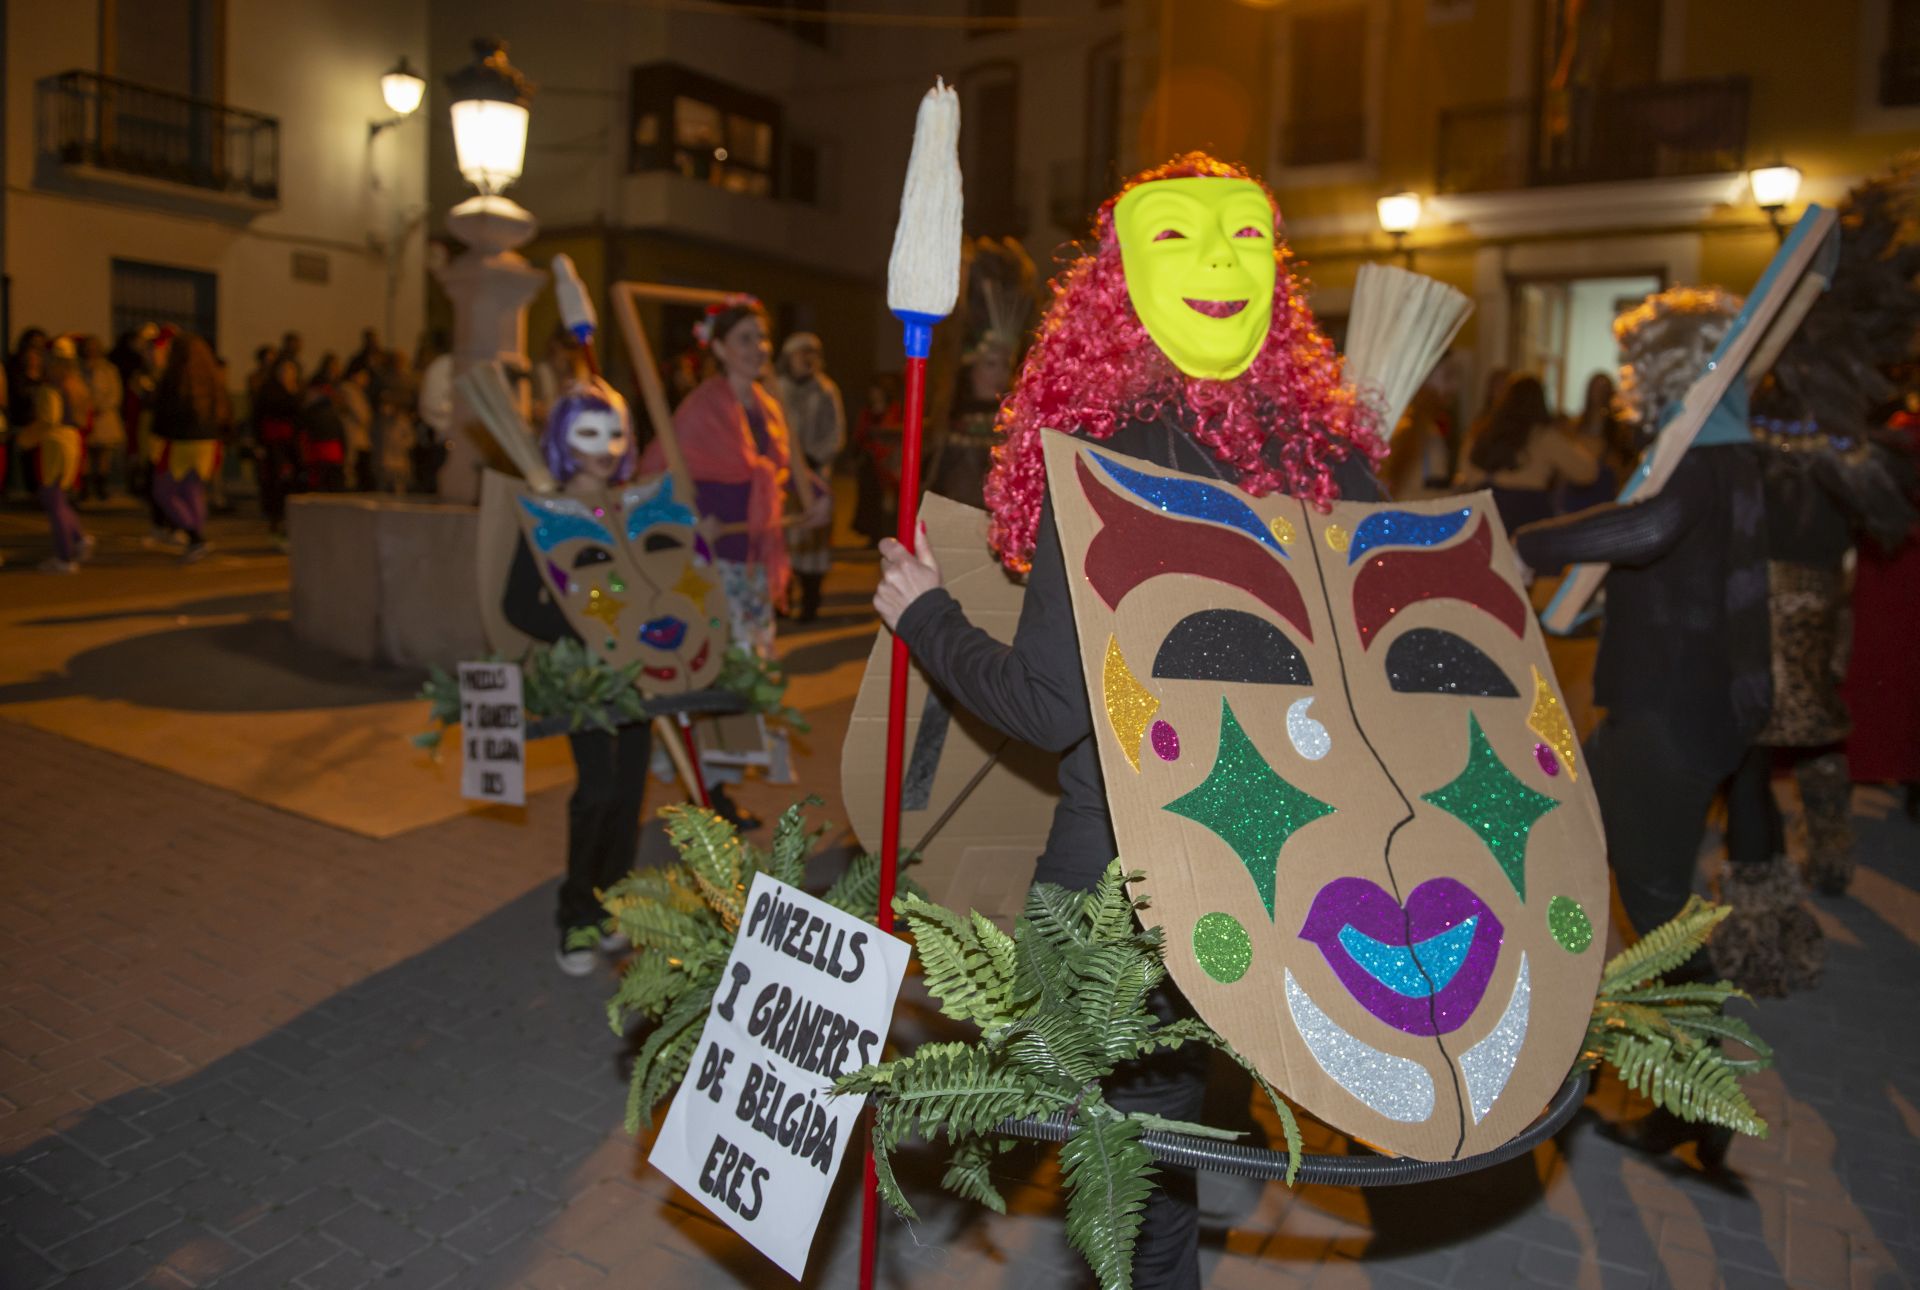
{"x": 1198, "y": 255}
{"x": 633, "y": 579}
{"x": 1335, "y": 746}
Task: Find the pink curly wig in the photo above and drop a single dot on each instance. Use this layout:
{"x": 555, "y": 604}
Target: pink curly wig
{"x": 1093, "y": 369}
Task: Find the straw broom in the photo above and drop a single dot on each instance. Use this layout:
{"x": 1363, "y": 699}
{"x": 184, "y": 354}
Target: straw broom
{"x": 1400, "y": 325}
{"x": 923, "y": 284}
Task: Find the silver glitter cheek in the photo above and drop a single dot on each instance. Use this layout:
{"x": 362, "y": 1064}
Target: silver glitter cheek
{"x": 1391, "y": 1086}
{"x": 1489, "y": 1064}
{"x": 1309, "y": 738}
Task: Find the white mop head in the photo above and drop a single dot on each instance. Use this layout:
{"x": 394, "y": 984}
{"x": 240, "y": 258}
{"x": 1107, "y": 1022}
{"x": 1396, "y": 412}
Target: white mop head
{"x": 1400, "y": 325}
{"x": 923, "y": 275}
{"x": 576, "y": 306}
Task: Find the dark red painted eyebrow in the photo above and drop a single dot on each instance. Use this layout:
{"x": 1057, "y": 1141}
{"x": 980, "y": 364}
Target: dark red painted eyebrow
{"x": 1392, "y": 580}
{"x": 1135, "y": 544}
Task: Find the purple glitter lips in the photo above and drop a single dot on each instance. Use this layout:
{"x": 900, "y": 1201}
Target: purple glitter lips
{"x": 663, "y": 633}
{"x": 1423, "y": 969}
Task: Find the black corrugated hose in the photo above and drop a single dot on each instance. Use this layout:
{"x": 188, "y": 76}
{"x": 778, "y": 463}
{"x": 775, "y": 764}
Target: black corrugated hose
{"x": 1185, "y": 1151}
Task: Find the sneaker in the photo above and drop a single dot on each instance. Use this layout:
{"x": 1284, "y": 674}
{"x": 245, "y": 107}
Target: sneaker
{"x": 163, "y": 538}
{"x": 88, "y": 544}
{"x": 612, "y": 943}
{"x": 54, "y": 564}
{"x": 573, "y": 960}
{"x": 194, "y": 553}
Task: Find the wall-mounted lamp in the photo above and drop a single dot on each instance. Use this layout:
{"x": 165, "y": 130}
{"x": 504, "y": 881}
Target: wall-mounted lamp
{"x": 1399, "y": 215}
{"x": 1774, "y": 188}
{"x": 402, "y": 88}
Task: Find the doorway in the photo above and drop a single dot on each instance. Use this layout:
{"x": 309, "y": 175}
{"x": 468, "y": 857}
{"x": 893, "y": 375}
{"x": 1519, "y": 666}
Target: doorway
{"x": 1563, "y": 329}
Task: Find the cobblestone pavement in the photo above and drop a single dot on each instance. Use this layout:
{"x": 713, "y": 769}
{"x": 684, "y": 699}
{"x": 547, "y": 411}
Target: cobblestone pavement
{"x": 242, "y": 1047}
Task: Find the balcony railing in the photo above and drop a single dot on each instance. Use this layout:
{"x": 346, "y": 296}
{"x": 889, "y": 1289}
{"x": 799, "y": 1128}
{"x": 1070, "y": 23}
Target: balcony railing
{"x": 1596, "y": 136}
{"x": 86, "y": 119}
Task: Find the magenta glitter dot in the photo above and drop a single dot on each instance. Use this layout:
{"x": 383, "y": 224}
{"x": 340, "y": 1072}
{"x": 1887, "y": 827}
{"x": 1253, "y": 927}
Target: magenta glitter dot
{"x": 600, "y": 510}
{"x": 1548, "y": 762}
{"x": 1166, "y": 741}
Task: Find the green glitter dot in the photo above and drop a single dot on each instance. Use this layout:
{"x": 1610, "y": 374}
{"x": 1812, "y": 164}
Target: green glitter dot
{"x": 615, "y": 584}
{"x": 612, "y": 643}
{"x": 1221, "y": 946}
{"x": 1569, "y": 924}
{"x": 713, "y": 622}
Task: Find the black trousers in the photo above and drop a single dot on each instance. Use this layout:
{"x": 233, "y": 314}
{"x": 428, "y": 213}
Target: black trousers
{"x": 1755, "y": 831}
{"x": 1655, "y": 790}
{"x": 603, "y": 817}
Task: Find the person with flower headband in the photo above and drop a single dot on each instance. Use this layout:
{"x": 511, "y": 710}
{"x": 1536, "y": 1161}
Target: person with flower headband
{"x": 1181, "y": 339}
{"x": 734, "y": 439}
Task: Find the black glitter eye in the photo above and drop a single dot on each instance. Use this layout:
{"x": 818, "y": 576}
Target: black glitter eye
{"x": 592, "y": 555}
{"x": 1427, "y": 660}
{"x": 661, "y": 542}
{"x": 1228, "y": 645}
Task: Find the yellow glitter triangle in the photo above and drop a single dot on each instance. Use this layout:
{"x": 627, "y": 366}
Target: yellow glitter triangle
{"x": 1129, "y": 704}
{"x": 603, "y": 607}
{"x": 1549, "y": 721}
{"x": 693, "y": 586}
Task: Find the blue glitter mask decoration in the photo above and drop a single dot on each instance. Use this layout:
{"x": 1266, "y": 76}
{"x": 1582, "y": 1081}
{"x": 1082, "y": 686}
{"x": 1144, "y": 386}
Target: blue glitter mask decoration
{"x": 556, "y": 522}
{"x": 1405, "y": 528}
{"x": 1191, "y": 499}
{"x": 646, "y": 508}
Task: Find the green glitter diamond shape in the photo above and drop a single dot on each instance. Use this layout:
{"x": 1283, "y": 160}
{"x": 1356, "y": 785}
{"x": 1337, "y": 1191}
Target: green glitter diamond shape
{"x": 1250, "y": 807}
{"x": 1490, "y": 800}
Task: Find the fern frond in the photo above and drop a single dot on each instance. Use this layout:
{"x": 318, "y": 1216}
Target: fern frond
{"x": 966, "y": 961}
{"x": 1058, "y": 1044}
{"x": 1109, "y": 909}
{"x": 958, "y": 1089}
{"x": 1663, "y": 949}
{"x": 664, "y": 1057}
{"x": 884, "y": 1182}
{"x": 969, "y": 1175}
{"x": 1698, "y": 1085}
{"x": 792, "y": 840}
{"x": 710, "y": 849}
{"x": 1107, "y": 1172}
{"x": 1189, "y": 1030}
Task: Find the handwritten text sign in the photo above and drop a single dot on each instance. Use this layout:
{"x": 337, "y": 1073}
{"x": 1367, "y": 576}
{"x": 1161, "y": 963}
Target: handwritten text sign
{"x": 807, "y": 996}
{"x": 493, "y": 735}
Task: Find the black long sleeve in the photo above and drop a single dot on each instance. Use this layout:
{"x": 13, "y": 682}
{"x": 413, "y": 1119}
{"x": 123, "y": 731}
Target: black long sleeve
{"x": 1032, "y": 689}
{"x": 1631, "y": 535}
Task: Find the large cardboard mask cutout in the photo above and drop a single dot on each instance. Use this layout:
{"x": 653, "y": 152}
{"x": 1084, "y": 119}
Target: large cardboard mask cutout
{"x": 1335, "y": 746}
{"x": 632, "y": 578}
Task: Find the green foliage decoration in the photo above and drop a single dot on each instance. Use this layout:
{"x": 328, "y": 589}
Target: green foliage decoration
{"x": 570, "y": 681}
{"x": 1666, "y": 1041}
{"x": 1060, "y": 1004}
{"x": 682, "y": 919}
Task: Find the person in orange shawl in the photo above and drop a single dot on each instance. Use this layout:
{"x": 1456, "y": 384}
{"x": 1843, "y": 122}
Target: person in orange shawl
{"x": 734, "y": 438}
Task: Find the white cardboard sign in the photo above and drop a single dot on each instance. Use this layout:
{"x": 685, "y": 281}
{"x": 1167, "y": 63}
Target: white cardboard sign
{"x": 807, "y": 996}
{"x": 493, "y": 734}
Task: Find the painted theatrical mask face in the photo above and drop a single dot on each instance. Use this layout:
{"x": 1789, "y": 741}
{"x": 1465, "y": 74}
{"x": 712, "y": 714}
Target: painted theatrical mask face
{"x": 598, "y": 441}
{"x": 1335, "y": 746}
{"x": 633, "y": 579}
{"x": 1198, "y": 255}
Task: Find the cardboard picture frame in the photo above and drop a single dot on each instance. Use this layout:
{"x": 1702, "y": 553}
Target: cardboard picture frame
{"x": 625, "y": 298}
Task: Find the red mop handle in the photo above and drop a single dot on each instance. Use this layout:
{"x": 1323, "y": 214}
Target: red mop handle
{"x": 908, "y": 533}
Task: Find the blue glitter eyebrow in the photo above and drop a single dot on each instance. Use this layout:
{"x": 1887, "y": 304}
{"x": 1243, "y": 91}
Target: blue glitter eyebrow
{"x": 1191, "y": 499}
{"x": 556, "y": 524}
{"x": 1405, "y": 528}
{"x": 658, "y": 508}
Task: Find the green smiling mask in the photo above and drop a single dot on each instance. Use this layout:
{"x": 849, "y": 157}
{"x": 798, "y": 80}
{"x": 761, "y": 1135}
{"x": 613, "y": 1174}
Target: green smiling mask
{"x": 1200, "y": 269}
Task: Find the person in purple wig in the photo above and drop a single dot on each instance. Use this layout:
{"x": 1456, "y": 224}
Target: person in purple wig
{"x": 588, "y": 440}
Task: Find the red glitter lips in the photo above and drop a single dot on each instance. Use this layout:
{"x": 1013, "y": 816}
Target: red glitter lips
{"x": 1217, "y": 308}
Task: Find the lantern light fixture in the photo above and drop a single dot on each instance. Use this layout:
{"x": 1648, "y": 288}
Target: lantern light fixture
{"x": 490, "y": 113}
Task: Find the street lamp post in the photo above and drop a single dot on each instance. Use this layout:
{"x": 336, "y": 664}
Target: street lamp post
{"x": 490, "y": 283}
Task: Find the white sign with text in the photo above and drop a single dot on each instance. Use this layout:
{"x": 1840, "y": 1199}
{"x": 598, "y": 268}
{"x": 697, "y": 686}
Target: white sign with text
{"x": 807, "y": 996}
{"x": 493, "y": 734}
